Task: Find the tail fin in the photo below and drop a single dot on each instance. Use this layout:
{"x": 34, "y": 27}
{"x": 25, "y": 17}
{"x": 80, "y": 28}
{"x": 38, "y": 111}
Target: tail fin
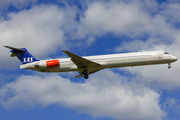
{"x": 22, "y": 54}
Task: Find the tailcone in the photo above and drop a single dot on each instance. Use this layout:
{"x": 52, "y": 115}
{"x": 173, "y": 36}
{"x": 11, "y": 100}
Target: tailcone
{"x": 27, "y": 66}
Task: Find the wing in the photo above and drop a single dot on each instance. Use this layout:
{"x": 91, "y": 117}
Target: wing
{"x": 82, "y": 64}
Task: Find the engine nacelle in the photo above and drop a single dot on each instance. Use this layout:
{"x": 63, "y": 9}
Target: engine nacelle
{"x": 49, "y": 63}
{"x": 52, "y": 63}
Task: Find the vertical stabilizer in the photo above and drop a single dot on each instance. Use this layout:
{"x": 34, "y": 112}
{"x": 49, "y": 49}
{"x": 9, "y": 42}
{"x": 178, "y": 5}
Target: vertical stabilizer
{"x": 22, "y": 54}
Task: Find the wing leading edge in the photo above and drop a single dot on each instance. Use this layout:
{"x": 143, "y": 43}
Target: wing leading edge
{"x": 84, "y": 65}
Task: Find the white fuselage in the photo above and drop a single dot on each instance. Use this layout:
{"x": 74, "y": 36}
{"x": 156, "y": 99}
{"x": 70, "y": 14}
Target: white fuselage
{"x": 106, "y": 61}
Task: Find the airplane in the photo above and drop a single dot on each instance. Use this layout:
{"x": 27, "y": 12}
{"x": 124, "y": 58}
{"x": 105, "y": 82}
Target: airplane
{"x": 90, "y": 64}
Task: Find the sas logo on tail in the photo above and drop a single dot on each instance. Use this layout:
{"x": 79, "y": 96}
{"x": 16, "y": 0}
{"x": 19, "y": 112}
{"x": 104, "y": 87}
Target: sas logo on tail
{"x": 29, "y": 59}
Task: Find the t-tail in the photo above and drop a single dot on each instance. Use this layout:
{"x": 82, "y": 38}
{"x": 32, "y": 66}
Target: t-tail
{"x": 22, "y": 54}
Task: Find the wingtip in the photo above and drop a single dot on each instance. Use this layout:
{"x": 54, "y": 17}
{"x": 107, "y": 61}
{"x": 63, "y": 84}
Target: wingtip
{"x": 63, "y": 50}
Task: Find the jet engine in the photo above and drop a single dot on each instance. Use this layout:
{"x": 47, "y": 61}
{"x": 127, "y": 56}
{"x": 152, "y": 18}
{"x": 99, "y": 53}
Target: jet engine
{"x": 49, "y": 63}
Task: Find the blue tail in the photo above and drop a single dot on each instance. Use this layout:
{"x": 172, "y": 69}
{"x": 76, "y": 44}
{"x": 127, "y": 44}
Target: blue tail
{"x": 22, "y": 54}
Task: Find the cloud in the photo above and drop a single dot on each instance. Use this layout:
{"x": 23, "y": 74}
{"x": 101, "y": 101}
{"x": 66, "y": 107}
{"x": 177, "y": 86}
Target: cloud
{"x": 170, "y": 13}
{"x": 164, "y": 33}
{"x": 41, "y": 30}
{"x": 156, "y": 76}
{"x": 46, "y": 28}
{"x": 172, "y": 106}
{"x": 136, "y": 45}
{"x": 167, "y": 41}
{"x": 19, "y": 4}
{"x": 173, "y": 1}
{"x": 149, "y": 30}
{"x": 142, "y": 21}
{"x": 132, "y": 19}
{"x": 101, "y": 95}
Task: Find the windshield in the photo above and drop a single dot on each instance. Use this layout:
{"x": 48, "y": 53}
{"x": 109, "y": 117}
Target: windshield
{"x": 166, "y": 53}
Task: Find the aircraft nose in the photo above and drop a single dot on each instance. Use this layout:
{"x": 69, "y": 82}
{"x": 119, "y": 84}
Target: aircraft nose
{"x": 174, "y": 58}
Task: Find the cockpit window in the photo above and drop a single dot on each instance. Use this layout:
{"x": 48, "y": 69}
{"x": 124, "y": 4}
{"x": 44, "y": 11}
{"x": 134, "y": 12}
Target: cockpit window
{"x": 166, "y": 53}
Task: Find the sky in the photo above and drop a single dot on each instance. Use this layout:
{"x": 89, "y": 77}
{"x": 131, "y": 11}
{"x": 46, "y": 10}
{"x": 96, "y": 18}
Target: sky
{"x": 89, "y": 27}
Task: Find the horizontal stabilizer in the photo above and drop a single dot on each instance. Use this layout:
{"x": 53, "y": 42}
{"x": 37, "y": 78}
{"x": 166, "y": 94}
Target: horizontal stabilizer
{"x": 16, "y": 49}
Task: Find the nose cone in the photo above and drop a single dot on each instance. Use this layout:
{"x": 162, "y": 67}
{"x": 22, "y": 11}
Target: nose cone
{"x": 174, "y": 58}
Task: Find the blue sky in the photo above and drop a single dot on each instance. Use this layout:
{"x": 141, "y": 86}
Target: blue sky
{"x": 90, "y": 27}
